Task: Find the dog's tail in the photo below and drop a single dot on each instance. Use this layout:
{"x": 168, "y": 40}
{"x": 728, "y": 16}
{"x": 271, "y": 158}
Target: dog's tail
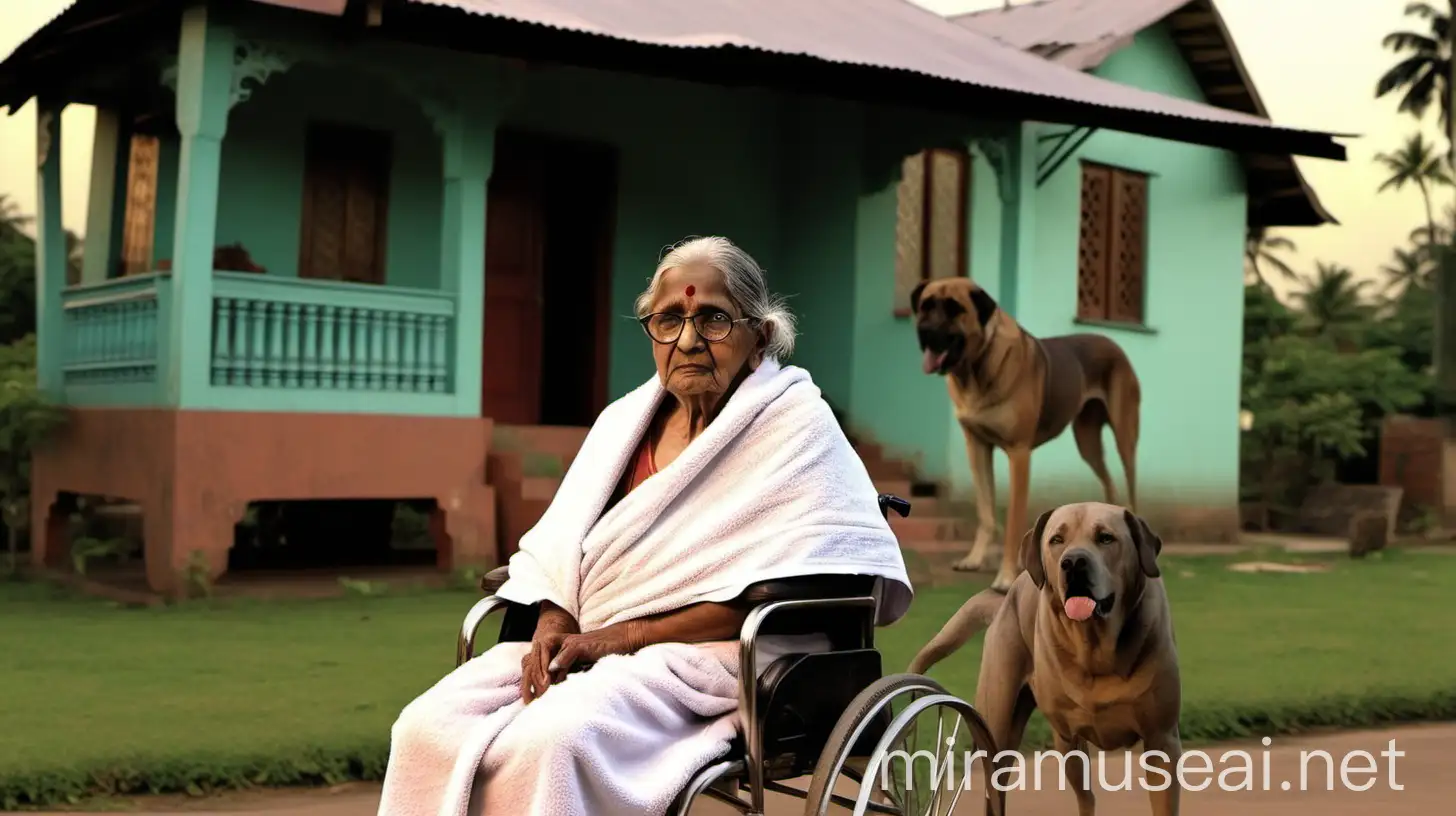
{"x": 973, "y": 617}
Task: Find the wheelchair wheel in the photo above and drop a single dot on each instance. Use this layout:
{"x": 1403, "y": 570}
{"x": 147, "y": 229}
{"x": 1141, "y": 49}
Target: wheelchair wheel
{"x": 892, "y": 743}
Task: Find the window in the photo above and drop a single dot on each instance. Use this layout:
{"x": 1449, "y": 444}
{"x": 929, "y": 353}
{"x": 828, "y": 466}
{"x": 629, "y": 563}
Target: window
{"x": 345, "y": 204}
{"x": 930, "y": 221}
{"x": 1112, "y": 249}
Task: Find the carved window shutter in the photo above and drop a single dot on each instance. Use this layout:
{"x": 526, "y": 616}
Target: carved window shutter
{"x": 138, "y": 231}
{"x": 930, "y": 220}
{"x": 945, "y": 244}
{"x": 345, "y": 204}
{"x": 1092, "y": 260}
{"x": 1129, "y": 215}
{"x": 1112, "y": 244}
{"x": 909, "y": 230}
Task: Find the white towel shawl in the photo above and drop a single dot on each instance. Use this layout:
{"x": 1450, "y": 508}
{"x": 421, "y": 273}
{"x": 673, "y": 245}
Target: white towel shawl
{"x": 771, "y": 489}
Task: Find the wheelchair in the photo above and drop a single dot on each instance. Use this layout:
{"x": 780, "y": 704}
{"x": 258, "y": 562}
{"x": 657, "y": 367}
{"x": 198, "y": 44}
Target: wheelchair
{"x": 832, "y": 716}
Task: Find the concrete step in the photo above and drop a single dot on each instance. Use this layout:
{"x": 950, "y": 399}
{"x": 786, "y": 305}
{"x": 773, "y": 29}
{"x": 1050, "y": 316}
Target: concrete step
{"x": 930, "y": 506}
{"x": 559, "y": 441}
{"x": 928, "y": 527}
{"x": 869, "y": 451}
{"x": 893, "y": 469}
{"x": 539, "y": 488}
{"x": 937, "y": 546}
{"x": 897, "y": 487}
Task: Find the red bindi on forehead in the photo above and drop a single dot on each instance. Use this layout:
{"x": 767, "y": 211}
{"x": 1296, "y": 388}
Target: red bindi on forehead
{"x": 690, "y": 290}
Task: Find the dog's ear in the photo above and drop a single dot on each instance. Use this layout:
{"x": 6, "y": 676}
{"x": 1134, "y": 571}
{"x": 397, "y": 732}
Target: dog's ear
{"x": 915, "y": 296}
{"x": 985, "y": 305}
{"x": 1031, "y": 550}
{"x": 1147, "y": 543}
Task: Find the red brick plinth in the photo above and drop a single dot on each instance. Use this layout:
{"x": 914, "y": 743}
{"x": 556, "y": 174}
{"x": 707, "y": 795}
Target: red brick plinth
{"x": 193, "y": 474}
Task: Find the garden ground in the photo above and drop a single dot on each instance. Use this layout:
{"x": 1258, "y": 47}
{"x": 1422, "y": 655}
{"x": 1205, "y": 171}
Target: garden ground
{"x": 1423, "y": 774}
{"x": 238, "y": 693}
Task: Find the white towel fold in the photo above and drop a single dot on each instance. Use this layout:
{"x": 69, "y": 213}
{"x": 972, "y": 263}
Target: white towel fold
{"x": 771, "y": 489}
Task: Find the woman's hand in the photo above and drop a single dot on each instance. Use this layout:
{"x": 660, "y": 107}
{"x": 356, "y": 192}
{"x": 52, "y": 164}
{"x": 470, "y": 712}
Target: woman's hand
{"x": 553, "y": 627}
{"x": 623, "y": 638}
{"x": 559, "y": 644}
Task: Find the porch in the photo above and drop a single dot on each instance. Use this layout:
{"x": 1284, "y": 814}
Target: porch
{"x": 281, "y": 300}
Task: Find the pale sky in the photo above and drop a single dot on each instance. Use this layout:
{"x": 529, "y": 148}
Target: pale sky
{"x": 1315, "y": 63}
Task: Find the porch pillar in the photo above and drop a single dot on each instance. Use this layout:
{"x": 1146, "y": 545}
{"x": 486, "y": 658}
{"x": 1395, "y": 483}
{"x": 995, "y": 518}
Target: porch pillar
{"x": 50, "y": 247}
{"x": 468, "y": 139}
{"x": 106, "y": 159}
{"x": 204, "y": 87}
{"x": 1017, "y": 183}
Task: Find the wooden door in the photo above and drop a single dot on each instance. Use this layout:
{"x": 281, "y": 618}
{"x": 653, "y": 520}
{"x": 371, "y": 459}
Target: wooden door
{"x": 345, "y": 204}
{"x": 514, "y": 255}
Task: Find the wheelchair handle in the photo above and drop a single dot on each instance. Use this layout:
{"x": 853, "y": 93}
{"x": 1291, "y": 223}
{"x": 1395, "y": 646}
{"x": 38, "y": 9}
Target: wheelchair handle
{"x": 889, "y": 501}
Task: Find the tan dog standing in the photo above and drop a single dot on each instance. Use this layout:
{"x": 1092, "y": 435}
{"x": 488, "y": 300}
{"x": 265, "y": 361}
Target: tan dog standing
{"x": 1084, "y": 635}
{"x": 1016, "y": 392}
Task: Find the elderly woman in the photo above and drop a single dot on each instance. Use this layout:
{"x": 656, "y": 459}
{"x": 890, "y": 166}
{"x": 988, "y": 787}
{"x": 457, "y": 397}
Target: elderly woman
{"x": 724, "y": 470}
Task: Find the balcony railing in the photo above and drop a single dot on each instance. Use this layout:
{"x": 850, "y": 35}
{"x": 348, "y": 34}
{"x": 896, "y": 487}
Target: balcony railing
{"x": 276, "y": 343}
{"x": 306, "y": 334}
{"x": 111, "y": 330}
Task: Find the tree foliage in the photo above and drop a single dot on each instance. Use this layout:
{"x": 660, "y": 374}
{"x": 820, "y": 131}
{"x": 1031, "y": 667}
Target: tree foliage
{"x": 17, "y": 274}
{"x": 1320, "y": 375}
{"x": 27, "y": 418}
{"x": 1425, "y": 61}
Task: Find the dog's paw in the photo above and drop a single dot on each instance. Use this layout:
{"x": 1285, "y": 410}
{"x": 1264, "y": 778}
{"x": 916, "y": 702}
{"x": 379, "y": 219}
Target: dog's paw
{"x": 967, "y": 564}
{"x": 1003, "y": 581}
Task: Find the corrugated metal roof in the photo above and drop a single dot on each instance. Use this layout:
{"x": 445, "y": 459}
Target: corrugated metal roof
{"x": 1081, "y": 34}
{"x": 1077, "y": 33}
{"x": 889, "y": 34}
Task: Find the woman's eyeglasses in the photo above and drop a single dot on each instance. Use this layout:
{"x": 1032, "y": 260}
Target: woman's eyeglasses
{"x": 665, "y": 327}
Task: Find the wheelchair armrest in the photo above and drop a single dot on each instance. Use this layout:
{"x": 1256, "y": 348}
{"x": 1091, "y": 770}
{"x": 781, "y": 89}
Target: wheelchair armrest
{"x": 493, "y": 580}
{"x": 852, "y": 615}
{"x": 808, "y": 588}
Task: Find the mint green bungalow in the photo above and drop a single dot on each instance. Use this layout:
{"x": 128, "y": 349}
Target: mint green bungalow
{"x": 364, "y": 248}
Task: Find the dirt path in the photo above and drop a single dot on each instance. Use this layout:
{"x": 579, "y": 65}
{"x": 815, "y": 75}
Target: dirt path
{"x": 1419, "y": 781}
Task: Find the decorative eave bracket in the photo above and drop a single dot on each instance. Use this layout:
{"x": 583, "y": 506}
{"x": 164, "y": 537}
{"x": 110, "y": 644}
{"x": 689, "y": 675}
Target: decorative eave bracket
{"x": 1067, "y": 143}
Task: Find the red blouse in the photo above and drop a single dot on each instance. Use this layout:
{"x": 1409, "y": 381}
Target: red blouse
{"x": 642, "y": 464}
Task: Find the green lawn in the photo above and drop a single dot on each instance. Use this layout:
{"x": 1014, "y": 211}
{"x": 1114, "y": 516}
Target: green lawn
{"x": 218, "y": 694}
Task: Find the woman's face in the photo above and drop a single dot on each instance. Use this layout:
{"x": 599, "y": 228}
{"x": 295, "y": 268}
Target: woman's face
{"x": 693, "y": 365}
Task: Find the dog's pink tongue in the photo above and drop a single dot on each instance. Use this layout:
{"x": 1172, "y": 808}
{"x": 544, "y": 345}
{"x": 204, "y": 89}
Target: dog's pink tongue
{"x": 933, "y": 361}
{"x": 1080, "y": 609}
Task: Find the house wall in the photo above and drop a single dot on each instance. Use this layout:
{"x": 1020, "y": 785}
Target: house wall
{"x": 261, "y": 198}
{"x": 692, "y": 161}
{"x": 1189, "y": 364}
{"x": 894, "y": 402}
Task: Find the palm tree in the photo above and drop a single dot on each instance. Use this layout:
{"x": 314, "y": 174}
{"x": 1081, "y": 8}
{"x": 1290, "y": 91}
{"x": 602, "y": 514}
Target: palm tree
{"x": 1418, "y": 163}
{"x": 1259, "y": 246}
{"x": 1429, "y": 70}
{"x": 11, "y": 221}
{"x": 1333, "y": 304}
{"x": 1425, "y": 72}
{"x": 1408, "y": 268}
{"x": 1424, "y": 238}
